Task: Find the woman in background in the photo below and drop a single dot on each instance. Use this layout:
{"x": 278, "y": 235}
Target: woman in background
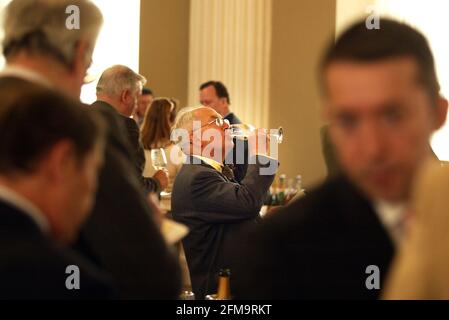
{"x": 155, "y": 134}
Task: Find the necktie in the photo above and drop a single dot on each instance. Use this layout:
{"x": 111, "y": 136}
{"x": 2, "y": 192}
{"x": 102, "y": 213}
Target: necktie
{"x": 228, "y": 173}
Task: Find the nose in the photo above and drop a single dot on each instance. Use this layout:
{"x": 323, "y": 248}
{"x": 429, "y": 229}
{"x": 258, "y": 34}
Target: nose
{"x": 372, "y": 141}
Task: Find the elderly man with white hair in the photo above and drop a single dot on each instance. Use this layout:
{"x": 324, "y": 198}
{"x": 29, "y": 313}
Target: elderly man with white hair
{"x": 118, "y": 91}
{"x": 120, "y": 235}
{"x": 208, "y": 199}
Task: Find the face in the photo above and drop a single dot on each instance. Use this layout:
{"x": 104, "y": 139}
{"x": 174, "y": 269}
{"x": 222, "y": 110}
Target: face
{"x": 381, "y": 121}
{"x": 214, "y": 137}
{"x": 143, "y": 104}
{"x": 130, "y": 101}
{"x": 80, "y": 191}
{"x": 209, "y": 98}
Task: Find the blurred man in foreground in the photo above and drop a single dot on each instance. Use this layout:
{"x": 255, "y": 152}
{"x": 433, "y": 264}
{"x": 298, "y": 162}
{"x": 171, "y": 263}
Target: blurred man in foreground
{"x": 48, "y": 179}
{"x": 383, "y": 104}
{"x": 120, "y": 235}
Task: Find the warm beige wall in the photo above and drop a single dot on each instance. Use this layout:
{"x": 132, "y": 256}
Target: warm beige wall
{"x": 300, "y": 31}
{"x": 164, "y": 46}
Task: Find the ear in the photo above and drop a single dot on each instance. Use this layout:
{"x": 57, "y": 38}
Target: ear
{"x": 59, "y": 160}
{"x": 441, "y": 112}
{"x": 126, "y": 96}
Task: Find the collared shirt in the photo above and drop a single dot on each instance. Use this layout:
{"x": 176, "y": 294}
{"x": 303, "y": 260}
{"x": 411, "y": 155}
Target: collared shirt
{"x": 25, "y": 74}
{"x": 393, "y": 217}
{"x": 214, "y": 164}
{"x": 27, "y": 207}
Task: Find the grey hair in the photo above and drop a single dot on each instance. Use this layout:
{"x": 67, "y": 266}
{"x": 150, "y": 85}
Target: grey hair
{"x": 40, "y": 26}
{"x": 183, "y": 124}
{"x": 118, "y": 78}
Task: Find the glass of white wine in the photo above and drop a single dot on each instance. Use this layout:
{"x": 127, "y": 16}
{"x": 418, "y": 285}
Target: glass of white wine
{"x": 159, "y": 161}
{"x": 243, "y": 131}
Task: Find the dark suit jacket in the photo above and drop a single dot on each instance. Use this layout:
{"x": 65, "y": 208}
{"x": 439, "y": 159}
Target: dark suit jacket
{"x": 33, "y": 267}
{"x": 233, "y": 119}
{"x": 130, "y": 141}
{"x": 239, "y": 168}
{"x": 317, "y": 248}
{"x": 120, "y": 236}
{"x": 214, "y": 208}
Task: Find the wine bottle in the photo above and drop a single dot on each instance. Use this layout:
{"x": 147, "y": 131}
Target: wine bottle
{"x": 224, "y": 285}
{"x": 281, "y": 190}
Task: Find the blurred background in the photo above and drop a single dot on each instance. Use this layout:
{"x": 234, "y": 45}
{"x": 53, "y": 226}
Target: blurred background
{"x": 265, "y": 51}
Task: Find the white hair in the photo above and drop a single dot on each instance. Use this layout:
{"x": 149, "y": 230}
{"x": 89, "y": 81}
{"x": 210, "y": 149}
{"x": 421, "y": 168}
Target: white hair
{"x": 118, "y": 78}
{"x": 183, "y": 125}
{"x": 41, "y": 25}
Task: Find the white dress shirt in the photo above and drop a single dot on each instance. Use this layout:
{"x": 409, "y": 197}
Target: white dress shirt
{"x": 392, "y": 216}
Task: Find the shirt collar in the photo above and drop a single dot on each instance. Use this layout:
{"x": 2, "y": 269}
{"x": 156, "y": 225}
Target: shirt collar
{"x": 25, "y": 74}
{"x": 392, "y": 216}
{"x": 27, "y": 207}
{"x": 214, "y": 164}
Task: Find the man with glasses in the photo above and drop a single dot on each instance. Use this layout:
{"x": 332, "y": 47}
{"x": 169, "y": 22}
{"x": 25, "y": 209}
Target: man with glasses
{"x": 207, "y": 198}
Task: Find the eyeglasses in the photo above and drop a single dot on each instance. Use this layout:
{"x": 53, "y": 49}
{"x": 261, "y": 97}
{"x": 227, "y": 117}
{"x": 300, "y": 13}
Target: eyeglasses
{"x": 220, "y": 122}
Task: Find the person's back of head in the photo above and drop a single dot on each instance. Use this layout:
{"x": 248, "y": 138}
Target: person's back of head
{"x": 61, "y": 31}
{"x": 121, "y": 87}
{"x": 158, "y": 122}
{"x": 50, "y": 150}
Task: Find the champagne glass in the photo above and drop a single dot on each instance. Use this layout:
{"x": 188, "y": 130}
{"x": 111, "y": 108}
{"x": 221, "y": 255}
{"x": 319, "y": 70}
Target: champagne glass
{"x": 243, "y": 131}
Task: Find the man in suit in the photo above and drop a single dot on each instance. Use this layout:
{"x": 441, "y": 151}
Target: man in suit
{"x": 215, "y": 95}
{"x": 382, "y": 104}
{"x": 206, "y": 197}
{"x": 118, "y": 91}
{"x": 120, "y": 236}
{"x": 143, "y": 103}
{"x": 47, "y": 189}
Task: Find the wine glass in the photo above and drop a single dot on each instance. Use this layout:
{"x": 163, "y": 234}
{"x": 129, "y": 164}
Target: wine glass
{"x": 243, "y": 131}
{"x": 159, "y": 159}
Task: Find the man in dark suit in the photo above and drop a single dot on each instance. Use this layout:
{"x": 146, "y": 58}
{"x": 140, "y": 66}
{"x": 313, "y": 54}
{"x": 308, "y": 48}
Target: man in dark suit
{"x": 383, "y": 104}
{"x": 47, "y": 189}
{"x": 118, "y": 91}
{"x": 120, "y": 236}
{"x": 215, "y": 95}
{"x": 209, "y": 201}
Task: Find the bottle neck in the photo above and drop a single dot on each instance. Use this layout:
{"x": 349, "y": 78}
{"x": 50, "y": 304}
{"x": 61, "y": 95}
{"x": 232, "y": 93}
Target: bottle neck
{"x": 224, "y": 288}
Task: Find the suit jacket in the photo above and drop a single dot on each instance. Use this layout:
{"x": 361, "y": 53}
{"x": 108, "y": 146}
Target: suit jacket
{"x": 238, "y": 168}
{"x": 214, "y": 208}
{"x": 120, "y": 236}
{"x": 129, "y": 141}
{"x": 319, "y": 247}
{"x": 233, "y": 119}
{"x": 33, "y": 267}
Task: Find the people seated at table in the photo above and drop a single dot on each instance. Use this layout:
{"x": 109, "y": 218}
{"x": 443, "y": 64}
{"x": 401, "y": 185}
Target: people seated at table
{"x": 51, "y": 149}
{"x": 155, "y": 134}
{"x": 382, "y": 102}
{"x": 207, "y": 198}
{"x": 118, "y": 90}
{"x": 120, "y": 236}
